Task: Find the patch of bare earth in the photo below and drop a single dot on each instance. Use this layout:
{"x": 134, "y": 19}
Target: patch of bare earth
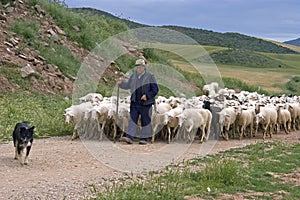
{"x": 60, "y": 168}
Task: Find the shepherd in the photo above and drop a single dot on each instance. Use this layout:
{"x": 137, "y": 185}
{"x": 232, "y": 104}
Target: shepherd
{"x": 143, "y": 88}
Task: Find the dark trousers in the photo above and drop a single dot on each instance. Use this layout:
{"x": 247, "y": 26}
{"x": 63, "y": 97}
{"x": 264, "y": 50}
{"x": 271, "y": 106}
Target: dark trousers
{"x": 145, "y": 112}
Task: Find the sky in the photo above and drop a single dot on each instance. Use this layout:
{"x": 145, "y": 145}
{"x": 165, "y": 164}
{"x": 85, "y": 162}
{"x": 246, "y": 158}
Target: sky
{"x": 277, "y": 20}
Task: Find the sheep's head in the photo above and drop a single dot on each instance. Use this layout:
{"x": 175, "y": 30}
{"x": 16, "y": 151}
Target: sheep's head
{"x": 69, "y": 117}
{"x": 181, "y": 119}
{"x": 259, "y": 118}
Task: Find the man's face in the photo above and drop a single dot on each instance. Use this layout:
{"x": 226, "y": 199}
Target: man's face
{"x": 140, "y": 69}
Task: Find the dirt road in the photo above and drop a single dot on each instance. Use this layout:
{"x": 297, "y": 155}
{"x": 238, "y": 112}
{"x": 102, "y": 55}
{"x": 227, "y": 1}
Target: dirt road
{"x": 63, "y": 169}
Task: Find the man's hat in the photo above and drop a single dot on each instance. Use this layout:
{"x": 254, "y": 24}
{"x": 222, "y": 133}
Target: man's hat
{"x": 140, "y": 62}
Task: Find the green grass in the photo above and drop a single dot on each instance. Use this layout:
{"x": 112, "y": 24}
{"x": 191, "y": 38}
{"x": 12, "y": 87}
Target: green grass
{"x": 27, "y": 28}
{"x": 45, "y": 112}
{"x": 247, "y": 171}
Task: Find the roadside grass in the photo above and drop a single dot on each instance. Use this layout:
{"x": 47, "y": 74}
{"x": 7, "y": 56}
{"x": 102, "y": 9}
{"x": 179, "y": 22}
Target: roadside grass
{"x": 247, "y": 171}
{"x": 45, "y": 112}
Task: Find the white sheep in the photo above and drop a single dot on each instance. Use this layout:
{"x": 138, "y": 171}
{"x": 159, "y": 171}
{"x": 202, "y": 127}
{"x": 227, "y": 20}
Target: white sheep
{"x": 75, "y": 113}
{"x": 207, "y": 116}
{"x": 171, "y": 122}
{"x": 191, "y": 120}
{"x": 245, "y": 118}
{"x": 267, "y": 117}
{"x": 157, "y": 120}
{"x": 227, "y": 118}
{"x": 91, "y": 97}
{"x": 294, "y": 109}
{"x": 284, "y": 119}
{"x": 211, "y": 89}
{"x": 162, "y": 107}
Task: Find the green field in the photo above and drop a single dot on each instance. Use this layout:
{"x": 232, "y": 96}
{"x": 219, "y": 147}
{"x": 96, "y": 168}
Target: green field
{"x": 272, "y": 79}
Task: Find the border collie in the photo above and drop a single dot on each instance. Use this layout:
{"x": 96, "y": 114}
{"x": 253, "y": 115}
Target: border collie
{"x": 23, "y": 138}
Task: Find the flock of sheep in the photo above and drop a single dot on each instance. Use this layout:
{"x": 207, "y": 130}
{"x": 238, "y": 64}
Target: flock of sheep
{"x": 223, "y": 112}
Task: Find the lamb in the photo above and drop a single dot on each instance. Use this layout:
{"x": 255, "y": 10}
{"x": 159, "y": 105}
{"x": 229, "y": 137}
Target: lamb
{"x": 284, "y": 119}
{"x": 267, "y": 117}
{"x": 245, "y": 118}
{"x": 76, "y": 113}
{"x": 227, "y": 118}
{"x": 190, "y": 120}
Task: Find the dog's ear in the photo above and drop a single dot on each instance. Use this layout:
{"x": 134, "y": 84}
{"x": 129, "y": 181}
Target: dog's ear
{"x": 31, "y": 129}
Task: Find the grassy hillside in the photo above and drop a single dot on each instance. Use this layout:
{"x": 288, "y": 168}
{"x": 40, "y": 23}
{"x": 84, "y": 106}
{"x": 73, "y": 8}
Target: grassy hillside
{"x": 205, "y": 37}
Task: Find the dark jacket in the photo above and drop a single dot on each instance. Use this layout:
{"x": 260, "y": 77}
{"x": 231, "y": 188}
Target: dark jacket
{"x": 145, "y": 85}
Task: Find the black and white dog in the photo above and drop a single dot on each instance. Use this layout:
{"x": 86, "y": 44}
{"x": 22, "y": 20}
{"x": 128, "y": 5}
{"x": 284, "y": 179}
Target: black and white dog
{"x": 23, "y": 138}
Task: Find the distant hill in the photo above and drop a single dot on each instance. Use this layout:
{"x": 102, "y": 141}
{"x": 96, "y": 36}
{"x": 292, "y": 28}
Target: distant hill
{"x": 206, "y": 37}
{"x": 128, "y": 22}
{"x": 295, "y": 42}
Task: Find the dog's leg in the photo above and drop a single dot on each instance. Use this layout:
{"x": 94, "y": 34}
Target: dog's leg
{"x": 16, "y": 150}
{"x": 27, "y": 154}
{"x": 20, "y": 153}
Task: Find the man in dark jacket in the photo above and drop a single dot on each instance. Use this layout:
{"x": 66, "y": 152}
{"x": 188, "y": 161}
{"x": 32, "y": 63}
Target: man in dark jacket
{"x": 143, "y": 88}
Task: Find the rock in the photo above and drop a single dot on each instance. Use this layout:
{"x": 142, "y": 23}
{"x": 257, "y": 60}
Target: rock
{"x": 27, "y": 71}
{"x": 76, "y": 28}
{"x": 58, "y": 30}
{"x": 39, "y": 9}
{"x": 9, "y": 44}
{"x": 2, "y": 17}
{"x": 23, "y": 56}
{"x": 10, "y": 9}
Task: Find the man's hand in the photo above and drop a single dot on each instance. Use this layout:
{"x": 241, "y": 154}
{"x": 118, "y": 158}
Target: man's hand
{"x": 144, "y": 98}
{"x": 118, "y": 81}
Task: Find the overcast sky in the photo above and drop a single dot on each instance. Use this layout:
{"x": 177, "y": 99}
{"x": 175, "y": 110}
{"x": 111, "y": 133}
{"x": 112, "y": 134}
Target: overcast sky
{"x": 269, "y": 19}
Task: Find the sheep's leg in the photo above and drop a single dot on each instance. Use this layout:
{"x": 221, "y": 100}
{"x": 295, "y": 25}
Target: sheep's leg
{"x": 207, "y": 133}
{"x": 174, "y": 132}
{"x": 289, "y": 126}
{"x": 169, "y": 134}
{"x": 242, "y": 130}
{"x": 203, "y": 134}
{"x": 251, "y": 131}
{"x": 102, "y": 129}
{"x": 294, "y": 124}
{"x": 75, "y": 134}
{"x": 285, "y": 128}
{"x": 226, "y": 132}
{"x": 115, "y": 131}
{"x": 154, "y": 133}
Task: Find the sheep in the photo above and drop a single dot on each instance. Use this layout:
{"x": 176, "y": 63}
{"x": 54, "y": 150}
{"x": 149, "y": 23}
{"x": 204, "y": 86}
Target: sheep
{"x": 162, "y": 107}
{"x": 171, "y": 122}
{"x": 227, "y": 117}
{"x": 157, "y": 120}
{"x": 267, "y": 117}
{"x": 244, "y": 118}
{"x": 190, "y": 120}
{"x": 294, "y": 109}
{"x": 99, "y": 114}
{"x": 76, "y": 113}
{"x": 210, "y": 89}
{"x": 91, "y": 97}
{"x": 207, "y": 116}
{"x": 284, "y": 119}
